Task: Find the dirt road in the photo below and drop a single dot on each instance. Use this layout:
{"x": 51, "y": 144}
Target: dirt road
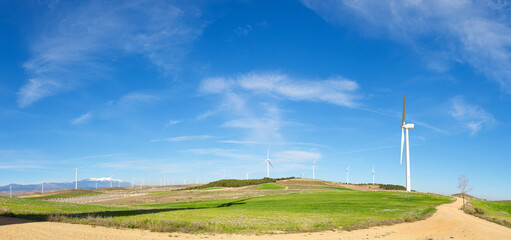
{"x": 447, "y": 223}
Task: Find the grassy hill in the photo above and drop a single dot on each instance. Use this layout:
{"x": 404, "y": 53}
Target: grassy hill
{"x": 494, "y": 211}
{"x": 318, "y": 209}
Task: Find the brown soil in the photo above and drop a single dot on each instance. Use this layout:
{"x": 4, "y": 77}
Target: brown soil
{"x": 447, "y": 223}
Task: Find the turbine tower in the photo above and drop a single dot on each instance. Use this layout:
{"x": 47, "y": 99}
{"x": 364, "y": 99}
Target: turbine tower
{"x": 313, "y": 168}
{"x": 76, "y": 178}
{"x": 403, "y": 127}
{"x": 268, "y": 163}
{"x": 246, "y": 176}
{"x": 373, "y": 174}
{"x": 42, "y": 187}
{"x": 347, "y": 171}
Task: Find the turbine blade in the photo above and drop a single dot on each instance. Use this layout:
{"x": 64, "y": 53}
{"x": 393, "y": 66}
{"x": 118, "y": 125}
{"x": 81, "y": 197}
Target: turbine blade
{"x": 402, "y": 144}
{"x": 270, "y": 164}
{"x": 404, "y": 103}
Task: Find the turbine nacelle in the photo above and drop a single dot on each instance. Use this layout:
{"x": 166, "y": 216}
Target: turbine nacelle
{"x": 408, "y": 126}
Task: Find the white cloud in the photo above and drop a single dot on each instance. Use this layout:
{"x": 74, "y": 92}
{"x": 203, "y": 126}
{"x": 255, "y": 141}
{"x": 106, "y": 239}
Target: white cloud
{"x": 185, "y": 138}
{"x": 472, "y": 117}
{"x": 228, "y": 153}
{"x": 79, "y": 42}
{"x": 126, "y": 103}
{"x": 172, "y": 122}
{"x": 249, "y": 100}
{"x": 336, "y": 90}
{"x": 84, "y": 118}
{"x": 473, "y": 32}
{"x": 296, "y": 156}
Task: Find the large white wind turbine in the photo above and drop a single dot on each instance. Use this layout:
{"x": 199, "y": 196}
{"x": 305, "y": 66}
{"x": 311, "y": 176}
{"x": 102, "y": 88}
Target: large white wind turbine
{"x": 347, "y": 171}
{"x": 403, "y": 127}
{"x": 268, "y": 163}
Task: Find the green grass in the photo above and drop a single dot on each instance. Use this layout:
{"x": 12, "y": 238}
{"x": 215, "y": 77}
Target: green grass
{"x": 495, "y": 211}
{"x": 269, "y": 186}
{"x": 210, "y": 188}
{"x": 339, "y": 188}
{"x": 296, "y": 212}
{"x": 69, "y": 195}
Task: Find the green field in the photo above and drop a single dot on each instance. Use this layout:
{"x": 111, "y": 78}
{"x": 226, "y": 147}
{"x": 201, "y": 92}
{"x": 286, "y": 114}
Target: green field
{"x": 495, "y": 211}
{"x": 65, "y": 195}
{"x": 210, "y": 188}
{"x": 269, "y": 186}
{"x": 294, "y": 212}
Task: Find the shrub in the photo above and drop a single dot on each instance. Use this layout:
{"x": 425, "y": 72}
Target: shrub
{"x": 237, "y": 183}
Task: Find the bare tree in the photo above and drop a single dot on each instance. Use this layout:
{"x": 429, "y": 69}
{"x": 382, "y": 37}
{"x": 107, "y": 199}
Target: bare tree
{"x": 463, "y": 187}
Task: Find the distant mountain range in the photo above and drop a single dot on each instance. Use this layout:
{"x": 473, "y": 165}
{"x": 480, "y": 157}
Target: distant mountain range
{"x": 52, "y": 186}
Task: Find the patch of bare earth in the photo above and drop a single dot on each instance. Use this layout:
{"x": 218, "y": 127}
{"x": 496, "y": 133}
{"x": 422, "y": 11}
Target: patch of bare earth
{"x": 447, "y": 223}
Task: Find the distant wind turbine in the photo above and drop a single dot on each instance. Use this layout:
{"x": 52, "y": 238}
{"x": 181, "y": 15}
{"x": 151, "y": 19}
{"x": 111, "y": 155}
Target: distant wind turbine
{"x": 313, "y": 169}
{"x": 76, "y": 178}
{"x": 42, "y": 187}
{"x": 246, "y": 176}
{"x": 372, "y": 172}
{"x": 347, "y": 171}
{"x": 268, "y": 163}
{"x": 302, "y": 175}
{"x": 10, "y": 191}
{"x": 403, "y": 127}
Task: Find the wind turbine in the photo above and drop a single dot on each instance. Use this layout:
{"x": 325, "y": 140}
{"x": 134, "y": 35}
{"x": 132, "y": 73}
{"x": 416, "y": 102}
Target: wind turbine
{"x": 42, "y": 187}
{"x": 347, "y": 171}
{"x": 403, "y": 127}
{"x": 313, "y": 169}
{"x": 268, "y": 163}
{"x": 246, "y": 176}
{"x": 373, "y": 174}
{"x": 76, "y": 178}
{"x": 10, "y": 191}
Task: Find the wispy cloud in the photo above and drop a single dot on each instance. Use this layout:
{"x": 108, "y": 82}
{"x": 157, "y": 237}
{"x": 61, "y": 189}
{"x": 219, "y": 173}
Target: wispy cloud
{"x": 84, "y": 118}
{"x": 172, "y": 122}
{"x": 34, "y": 166}
{"x": 370, "y": 149}
{"x": 251, "y": 100}
{"x": 296, "y": 156}
{"x": 71, "y": 49}
{"x": 472, "y": 117}
{"x": 184, "y": 138}
{"x": 474, "y": 32}
{"x": 240, "y": 142}
{"x": 229, "y": 153}
{"x": 335, "y": 90}
{"x": 126, "y": 103}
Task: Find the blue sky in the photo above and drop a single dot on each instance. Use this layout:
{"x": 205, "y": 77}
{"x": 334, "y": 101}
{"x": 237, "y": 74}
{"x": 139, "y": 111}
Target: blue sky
{"x": 200, "y": 89}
